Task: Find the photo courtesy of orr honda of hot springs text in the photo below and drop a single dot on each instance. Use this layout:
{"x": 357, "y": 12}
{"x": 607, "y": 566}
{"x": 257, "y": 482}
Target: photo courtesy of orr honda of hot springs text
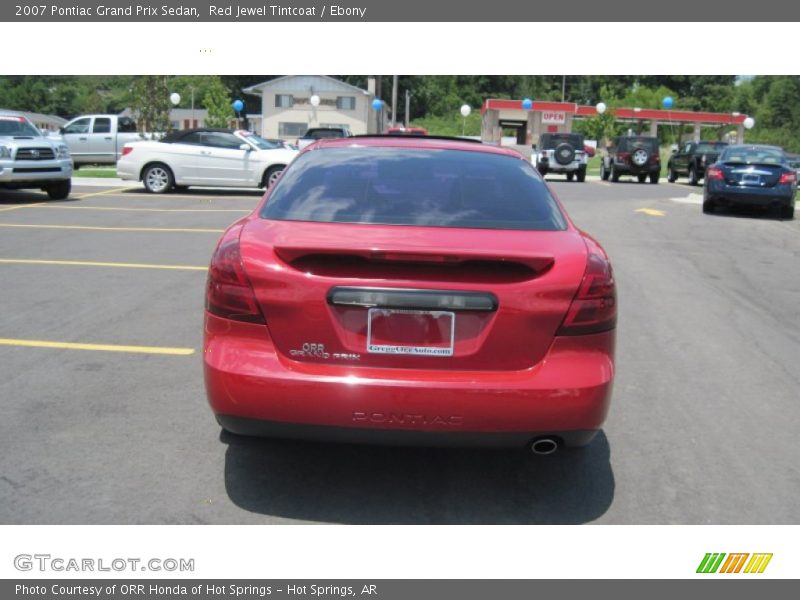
{"x": 411, "y": 290}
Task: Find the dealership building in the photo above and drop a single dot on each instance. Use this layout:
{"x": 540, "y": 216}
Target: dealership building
{"x": 287, "y": 109}
{"x": 500, "y": 115}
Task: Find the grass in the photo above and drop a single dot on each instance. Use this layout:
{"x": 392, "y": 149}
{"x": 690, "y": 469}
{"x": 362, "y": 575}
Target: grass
{"x": 109, "y": 172}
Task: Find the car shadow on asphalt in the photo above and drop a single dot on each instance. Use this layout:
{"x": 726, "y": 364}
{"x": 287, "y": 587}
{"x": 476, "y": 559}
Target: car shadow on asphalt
{"x": 353, "y": 484}
{"x": 748, "y": 212}
{"x": 211, "y": 193}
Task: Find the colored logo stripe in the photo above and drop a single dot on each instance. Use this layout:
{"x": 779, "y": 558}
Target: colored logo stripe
{"x": 733, "y": 564}
{"x": 710, "y": 562}
{"x": 758, "y": 563}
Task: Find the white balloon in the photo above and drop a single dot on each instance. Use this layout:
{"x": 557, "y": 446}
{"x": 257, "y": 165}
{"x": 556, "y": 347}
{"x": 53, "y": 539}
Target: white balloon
{"x": 314, "y": 100}
{"x": 465, "y": 110}
{"x": 175, "y": 98}
{"x": 749, "y": 122}
{"x": 601, "y": 108}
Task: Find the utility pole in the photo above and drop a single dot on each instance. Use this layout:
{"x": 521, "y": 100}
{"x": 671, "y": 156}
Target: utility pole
{"x": 394, "y": 100}
{"x": 408, "y": 107}
{"x": 378, "y": 113}
{"x": 563, "y": 88}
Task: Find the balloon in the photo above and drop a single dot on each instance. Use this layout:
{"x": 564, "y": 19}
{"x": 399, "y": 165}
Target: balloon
{"x": 601, "y": 108}
{"x": 465, "y": 110}
{"x": 667, "y": 102}
{"x": 314, "y": 100}
{"x": 527, "y": 104}
{"x": 377, "y": 104}
{"x": 749, "y": 123}
{"x": 175, "y": 98}
{"x": 238, "y": 105}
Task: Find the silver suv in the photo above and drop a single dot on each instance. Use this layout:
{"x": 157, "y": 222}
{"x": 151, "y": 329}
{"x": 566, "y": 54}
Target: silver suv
{"x": 28, "y": 159}
{"x": 561, "y": 153}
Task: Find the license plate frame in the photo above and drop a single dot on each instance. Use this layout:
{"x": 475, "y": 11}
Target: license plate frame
{"x": 411, "y": 350}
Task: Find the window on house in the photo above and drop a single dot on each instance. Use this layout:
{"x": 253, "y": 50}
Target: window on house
{"x": 291, "y": 129}
{"x": 346, "y": 102}
{"x": 284, "y": 100}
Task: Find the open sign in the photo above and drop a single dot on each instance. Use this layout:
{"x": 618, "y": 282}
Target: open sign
{"x": 554, "y": 118}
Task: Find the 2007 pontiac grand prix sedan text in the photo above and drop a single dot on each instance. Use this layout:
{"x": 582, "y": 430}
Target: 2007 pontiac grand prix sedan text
{"x": 411, "y": 291}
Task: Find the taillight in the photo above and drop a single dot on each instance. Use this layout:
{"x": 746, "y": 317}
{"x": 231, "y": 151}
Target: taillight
{"x": 714, "y": 173}
{"x": 126, "y": 150}
{"x": 623, "y": 155}
{"x": 594, "y": 308}
{"x": 655, "y": 158}
{"x": 228, "y": 292}
{"x": 788, "y": 178}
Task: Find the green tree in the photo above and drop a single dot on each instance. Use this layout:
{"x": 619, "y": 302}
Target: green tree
{"x": 217, "y": 100}
{"x": 150, "y": 102}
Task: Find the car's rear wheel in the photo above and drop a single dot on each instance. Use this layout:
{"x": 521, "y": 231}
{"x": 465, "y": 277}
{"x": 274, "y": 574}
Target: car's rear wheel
{"x": 614, "y": 174}
{"x": 581, "y": 175}
{"x": 570, "y": 176}
{"x": 672, "y": 176}
{"x": 642, "y": 178}
{"x": 271, "y": 175}
{"x": 654, "y": 177}
{"x": 693, "y": 175}
{"x": 787, "y": 212}
{"x": 157, "y": 178}
{"x": 709, "y": 206}
{"x": 603, "y": 171}
{"x": 59, "y": 190}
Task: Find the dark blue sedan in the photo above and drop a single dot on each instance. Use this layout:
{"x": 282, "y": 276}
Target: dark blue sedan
{"x": 751, "y": 176}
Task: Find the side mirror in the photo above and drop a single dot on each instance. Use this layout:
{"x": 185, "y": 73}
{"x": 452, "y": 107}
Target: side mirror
{"x": 246, "y": 147}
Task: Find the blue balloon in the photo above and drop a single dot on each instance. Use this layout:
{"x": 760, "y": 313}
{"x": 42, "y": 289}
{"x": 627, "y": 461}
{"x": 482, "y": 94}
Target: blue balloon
{"x": 527, "y": 104}
{"x": 377, "y": 104}
{"x": 238, "y": 105}
{"x": 667, "y": 102}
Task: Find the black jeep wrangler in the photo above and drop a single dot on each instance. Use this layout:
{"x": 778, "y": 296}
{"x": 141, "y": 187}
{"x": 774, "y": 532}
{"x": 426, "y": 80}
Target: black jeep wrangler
{"x": 691, "y": 160}
{"x": 635, "y": 155}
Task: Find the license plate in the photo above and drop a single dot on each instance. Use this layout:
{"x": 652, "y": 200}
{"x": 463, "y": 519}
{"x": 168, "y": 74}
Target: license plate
{"x": 415, "y": 332}
{"x": 751, "y": 179}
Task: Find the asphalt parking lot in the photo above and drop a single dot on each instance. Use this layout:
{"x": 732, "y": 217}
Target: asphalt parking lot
{"x": 105, "y": 418}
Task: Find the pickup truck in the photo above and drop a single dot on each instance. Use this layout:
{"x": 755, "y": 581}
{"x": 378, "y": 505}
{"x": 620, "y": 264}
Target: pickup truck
{"x": 321, "y": 133}
{"x": 30, "y": 160}
{"x": 691, "y": 160}
{"x": 98, "y": 139}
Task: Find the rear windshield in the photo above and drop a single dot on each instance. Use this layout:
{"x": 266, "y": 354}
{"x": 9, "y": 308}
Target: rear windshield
{"x": 550, "y": 141}
{"x": 711, "y": 146}
{"x": 650, "y": 144}
{"x": 400, "y": 186}
{"x": 770, "y": 156}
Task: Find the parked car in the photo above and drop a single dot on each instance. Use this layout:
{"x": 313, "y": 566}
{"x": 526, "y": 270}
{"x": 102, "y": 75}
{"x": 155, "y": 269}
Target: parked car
{"x": 692, "y": 159}
{"x": 406, "y": 131}
{"x": 204, "y": 157}
{"x": 322, "y": 133}
{"x": 29, "y": 159}
{"x": 98, "y": 139}
{"x": 410, "y": 290}
{"x": 751, "y": 175}
{"x": 632, "y": 155}
{"x": 561, "y": 153}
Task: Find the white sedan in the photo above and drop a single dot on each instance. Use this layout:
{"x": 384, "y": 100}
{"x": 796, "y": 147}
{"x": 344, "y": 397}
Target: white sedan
{"x": 204, "y": 157}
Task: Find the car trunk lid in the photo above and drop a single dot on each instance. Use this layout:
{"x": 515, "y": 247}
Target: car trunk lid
{"x": 390, "y": 296}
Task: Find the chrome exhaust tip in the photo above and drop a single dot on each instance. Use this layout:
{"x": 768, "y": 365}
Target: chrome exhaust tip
{"x": 544, "y": 446}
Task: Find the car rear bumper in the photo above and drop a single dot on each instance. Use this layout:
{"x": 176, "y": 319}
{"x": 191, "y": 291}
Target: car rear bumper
{"x": 128, "y": 172}
{"x": 766, "y": 197}
{"x": 254, "y": 390}
{"x": 625, "y": 168}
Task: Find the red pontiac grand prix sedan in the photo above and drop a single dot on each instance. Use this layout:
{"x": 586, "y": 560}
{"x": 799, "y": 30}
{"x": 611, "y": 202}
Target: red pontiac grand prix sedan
{"x": 401, "y": 290}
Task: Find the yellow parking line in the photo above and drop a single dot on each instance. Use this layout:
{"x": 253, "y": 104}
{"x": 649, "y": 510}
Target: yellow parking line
{"x": 104, "y": 192}
{"x": 131, "y": 209}
{"x": 653, "y": 212}
{"x": 21, "y": 206}
{"x": 98, "y": 228}
{"x": 100, "y": 347}
{"x": 87, "y": 263}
